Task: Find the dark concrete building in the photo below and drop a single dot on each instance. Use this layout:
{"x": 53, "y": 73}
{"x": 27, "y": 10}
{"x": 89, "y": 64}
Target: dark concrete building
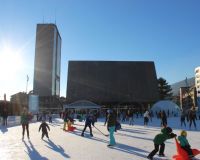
{"x": 47, "y": 61}
{"x": 112, "y": 82}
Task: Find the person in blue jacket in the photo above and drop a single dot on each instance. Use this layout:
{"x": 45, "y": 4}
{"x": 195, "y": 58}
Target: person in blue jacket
{"x": 88, "y": 122}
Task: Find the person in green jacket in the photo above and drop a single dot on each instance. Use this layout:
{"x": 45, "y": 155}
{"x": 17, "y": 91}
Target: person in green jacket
{"x": 185, "y": 144}
{"x": 25, "y": 117}
{"x": 166, "y": 133}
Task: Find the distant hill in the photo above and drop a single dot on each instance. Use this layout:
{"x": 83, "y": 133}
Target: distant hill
{"x": 176, "y": 86}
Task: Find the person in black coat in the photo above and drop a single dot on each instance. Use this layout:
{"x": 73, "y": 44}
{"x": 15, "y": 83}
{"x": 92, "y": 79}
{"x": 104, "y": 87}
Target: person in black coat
{"x": 44, "y": 127}
{"x": 89, "y": 120}
{"x": 106, "y": 118}
{"x": 5, "y": 116}
{"x": 183, "y": 119}
{"x": 192, "y": 117}
{"x": 163, "y": 118}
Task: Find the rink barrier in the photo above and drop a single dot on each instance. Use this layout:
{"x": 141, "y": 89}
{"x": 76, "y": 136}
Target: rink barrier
{"x": 16, "y": 120}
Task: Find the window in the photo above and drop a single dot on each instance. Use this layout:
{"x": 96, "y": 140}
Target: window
{"x": 57, "y": 87}
{"x": 54, "y": 63}
{"x": 58, "y": 53}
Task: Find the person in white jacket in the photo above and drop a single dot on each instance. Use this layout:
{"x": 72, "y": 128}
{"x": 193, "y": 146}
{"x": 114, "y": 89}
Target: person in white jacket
{"x": 146, "y": 118}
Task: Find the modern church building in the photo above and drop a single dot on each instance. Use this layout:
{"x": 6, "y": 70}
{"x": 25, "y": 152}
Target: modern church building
{"x": 112, "y": 82}
{"x": 47, "y": 61}
{"x": 47, "y": 66}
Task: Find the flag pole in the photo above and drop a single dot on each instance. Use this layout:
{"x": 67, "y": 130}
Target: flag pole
{"x": 27, "y": 79}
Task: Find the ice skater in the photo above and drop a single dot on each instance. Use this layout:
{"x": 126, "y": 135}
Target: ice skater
{"x": 163, "y": 119}
{"x": 44, "y": 127}
{"x": 50, "y": 117}
{"x": 192, "y": 117}
{"x": 112, "y": 118}
{"x": 89, "y": 120}
{"x": 106, "y": 118}
{"x": 5, "y": 117}
{"x": 146, "y": 118}
{"x": 25, "y": 117}
{"x": 183, "y": 119}
{"x": 185, "y": 144}
{"x": 166, "y": 133}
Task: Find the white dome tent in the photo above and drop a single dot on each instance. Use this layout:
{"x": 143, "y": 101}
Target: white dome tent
{"x": 167, "y": 106}
{"x": 82, "y": 104}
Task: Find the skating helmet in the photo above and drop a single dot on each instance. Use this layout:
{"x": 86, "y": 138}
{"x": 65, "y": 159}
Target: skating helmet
{"x": 183, "y": 133}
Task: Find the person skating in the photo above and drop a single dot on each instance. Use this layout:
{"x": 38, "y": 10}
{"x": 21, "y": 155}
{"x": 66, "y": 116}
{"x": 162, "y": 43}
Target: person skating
{"x": 44, "y": 127}
{"x": 146, "y": 118}
{"x": 185, "y": 144}
{"x": 163, "y": 119}
{"x": 112, "y": 118}
{"x": 50, "y": 117}
{"x": 25, "y": 117}
{"x": 65, "y": 118}
{"x": 37, "y": 116}
{"x": 5, "y": 117}
{"x": 183, "y": 119}
{"x": 130, "y": 117}
{"x": 106, "y": 118}
{"x": 166, "y": 133}
{"x": 89, "y": 120}
{"x": 192, "y": 117}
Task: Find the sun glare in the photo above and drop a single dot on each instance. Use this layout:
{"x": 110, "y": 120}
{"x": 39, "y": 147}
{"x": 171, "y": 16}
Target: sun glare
{"x": 10, "y": 61}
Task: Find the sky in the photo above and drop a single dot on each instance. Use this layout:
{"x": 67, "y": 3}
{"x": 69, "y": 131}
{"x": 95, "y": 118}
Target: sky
{"x": 164, "y": 31}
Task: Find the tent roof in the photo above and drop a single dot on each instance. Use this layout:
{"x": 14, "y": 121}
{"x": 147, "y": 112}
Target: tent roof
{"x": 82, "y": 104}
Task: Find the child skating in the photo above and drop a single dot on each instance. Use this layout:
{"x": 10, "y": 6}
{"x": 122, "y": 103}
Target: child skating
{"x": 166, "y": 133}
{"x": 44, "y": 127}
{"x": 185, "y": 144}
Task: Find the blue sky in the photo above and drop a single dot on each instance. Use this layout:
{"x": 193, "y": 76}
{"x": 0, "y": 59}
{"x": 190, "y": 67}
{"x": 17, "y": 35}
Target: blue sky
{"x": 164, "y": 31}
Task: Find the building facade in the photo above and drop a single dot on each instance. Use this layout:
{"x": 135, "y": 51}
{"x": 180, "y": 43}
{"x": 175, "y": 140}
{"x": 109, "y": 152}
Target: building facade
{"x": 197, "y": 85}
{"x": 112, "y": 82}
{"x": 188, "y": 98}
{"x": 17, "y": 102}
{"x": 197, "y": 80}
{"x": 47, "y": 61}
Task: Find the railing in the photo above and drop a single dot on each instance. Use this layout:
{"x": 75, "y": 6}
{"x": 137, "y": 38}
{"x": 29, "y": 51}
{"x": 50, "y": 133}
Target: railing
{"x": 16, "y": 120}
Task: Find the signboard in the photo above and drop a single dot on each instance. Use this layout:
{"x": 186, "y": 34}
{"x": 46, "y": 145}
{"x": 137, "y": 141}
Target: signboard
{"x": 33, "y": 103}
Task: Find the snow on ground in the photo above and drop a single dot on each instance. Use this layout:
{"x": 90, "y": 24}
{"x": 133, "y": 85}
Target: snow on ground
{"x": 133, "y": 142}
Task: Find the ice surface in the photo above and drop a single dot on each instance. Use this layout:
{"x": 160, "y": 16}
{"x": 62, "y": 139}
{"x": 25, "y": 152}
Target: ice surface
{"x": 133, "y": 142}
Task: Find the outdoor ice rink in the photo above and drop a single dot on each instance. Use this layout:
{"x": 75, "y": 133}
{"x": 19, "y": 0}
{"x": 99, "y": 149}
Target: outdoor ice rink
{"x": 133, "y": 142}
